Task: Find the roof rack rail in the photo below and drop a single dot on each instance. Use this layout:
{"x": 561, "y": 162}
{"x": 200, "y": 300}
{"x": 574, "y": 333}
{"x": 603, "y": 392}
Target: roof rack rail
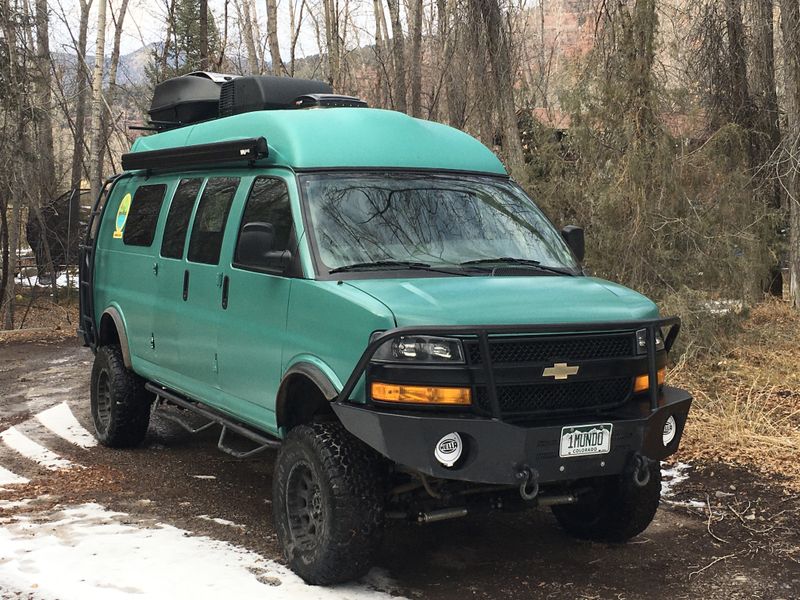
{"x": 246, "y": 150}
{"x": 327, "y": 101}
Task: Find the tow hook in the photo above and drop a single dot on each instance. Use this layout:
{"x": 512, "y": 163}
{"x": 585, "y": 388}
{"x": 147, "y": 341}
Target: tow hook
{"x": 529, "y": 483}
{"x": 641, "y": 470}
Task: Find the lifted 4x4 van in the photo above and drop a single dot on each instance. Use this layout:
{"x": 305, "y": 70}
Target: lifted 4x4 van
{"x": 372, "y": 295}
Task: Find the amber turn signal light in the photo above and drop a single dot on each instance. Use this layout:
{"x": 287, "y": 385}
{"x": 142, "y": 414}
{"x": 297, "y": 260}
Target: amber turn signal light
{"x": 642, "y": 382}
{"x": 416, "y": 394}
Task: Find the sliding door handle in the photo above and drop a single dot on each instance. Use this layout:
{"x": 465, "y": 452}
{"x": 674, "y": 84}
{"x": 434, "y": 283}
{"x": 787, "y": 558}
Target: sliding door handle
{"x": 186, "y": 284}
{"x": 225, "y": 285}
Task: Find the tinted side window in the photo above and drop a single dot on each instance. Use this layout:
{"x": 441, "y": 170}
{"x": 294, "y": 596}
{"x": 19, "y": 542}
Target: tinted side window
{"x": 180, "y": 211}
{"x": 140, "y": 227}
{"x": 210, "y": 219}
{"x": 268, "y": 202}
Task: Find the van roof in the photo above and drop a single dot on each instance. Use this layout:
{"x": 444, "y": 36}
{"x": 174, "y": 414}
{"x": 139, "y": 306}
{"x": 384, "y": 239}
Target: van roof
{"x": 340, "y": 137}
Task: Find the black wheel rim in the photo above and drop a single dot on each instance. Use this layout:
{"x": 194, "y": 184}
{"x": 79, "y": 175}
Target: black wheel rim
{"x": 304, "y": 507}
{"x": 103, "y": 403}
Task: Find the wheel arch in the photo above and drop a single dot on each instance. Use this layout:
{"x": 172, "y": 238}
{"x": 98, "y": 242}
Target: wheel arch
{"x": 312, "y": 382}
{"x": 112, "y": 331}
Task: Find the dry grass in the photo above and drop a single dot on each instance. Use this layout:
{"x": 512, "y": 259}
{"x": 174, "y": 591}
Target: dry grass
{"x": 747, "y": 397}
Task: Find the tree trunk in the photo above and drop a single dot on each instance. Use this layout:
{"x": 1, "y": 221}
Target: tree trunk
{"x": 81, "y": 84}
{"x": 203, "y": 35}
{"x": 246, "y": 29}
{"x": 416, "y": 58}
{"x": 97, "y": 143}
{"x": 399, "y": 54}
{"x": 498, "y": 49}
{"x": 790, "y": 26}
{"x": 4, "y": 275}
{"x": 764, "y": 93}
{"x": 45, "y": 173}
{"x": 332, "y": 41}
{"x": 272, "y": 38}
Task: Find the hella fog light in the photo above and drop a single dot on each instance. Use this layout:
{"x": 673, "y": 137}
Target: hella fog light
{"x": 641, "y": 341}
{"x": 420, "y": 348}
{"x": 670, "y": 429}
{"x": 448, "y": 449}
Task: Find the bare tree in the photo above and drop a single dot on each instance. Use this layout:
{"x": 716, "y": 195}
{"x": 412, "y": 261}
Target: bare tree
{"x": 487, "y": 17}
{"x": 399, "y": 54}
{"x": 790, "y": 27}
{"x": 204, "y": 35}
{"x": 416, "y": 57}
{"x": 96, "y": 133}
{"x": 81, "y": 86}
{"x": 244, "y": 12}
{"x": 272, "y": 38}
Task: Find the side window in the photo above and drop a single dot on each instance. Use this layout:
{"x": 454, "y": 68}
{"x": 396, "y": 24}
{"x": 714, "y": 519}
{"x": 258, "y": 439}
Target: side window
{"x": 210, "y": 219}
{"x": 268, "y": 203}
{"x": 180, "y": 211}
{"x": 140, "y": 226}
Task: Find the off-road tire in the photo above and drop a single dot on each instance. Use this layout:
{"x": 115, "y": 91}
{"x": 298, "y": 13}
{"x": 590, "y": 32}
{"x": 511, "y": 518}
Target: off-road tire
{"x": 349, "y": 506}
{"x": 120, "y": 404}
{"x": 616, "y": 509}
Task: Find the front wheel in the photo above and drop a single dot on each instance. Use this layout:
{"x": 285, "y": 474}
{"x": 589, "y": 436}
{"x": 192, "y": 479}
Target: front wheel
{"x": 328, "y": 499}
{"x": 614, "y": 510}
{"x": 120, "y": 404}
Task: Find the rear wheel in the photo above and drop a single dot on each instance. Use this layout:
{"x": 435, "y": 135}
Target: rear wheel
{"x": 615, "y": 510}
{"x": 120, "y": 404}
{"x": 328, "y": 497}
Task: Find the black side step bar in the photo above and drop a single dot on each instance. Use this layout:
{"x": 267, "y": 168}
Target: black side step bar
{"x": 213, "y": 418}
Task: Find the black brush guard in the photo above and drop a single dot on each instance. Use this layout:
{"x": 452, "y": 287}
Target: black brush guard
{"x": 496, "y": 451}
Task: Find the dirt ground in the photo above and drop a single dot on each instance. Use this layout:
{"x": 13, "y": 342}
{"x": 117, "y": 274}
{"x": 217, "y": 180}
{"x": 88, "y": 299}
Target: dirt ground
{"x": 723, "y": 531}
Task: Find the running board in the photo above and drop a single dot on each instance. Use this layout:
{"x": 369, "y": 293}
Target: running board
{"x": 213, "y": 418}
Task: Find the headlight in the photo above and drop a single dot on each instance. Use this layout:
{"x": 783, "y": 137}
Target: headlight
{"x": 641, "y": 341}
{"x": 420, "y": 349}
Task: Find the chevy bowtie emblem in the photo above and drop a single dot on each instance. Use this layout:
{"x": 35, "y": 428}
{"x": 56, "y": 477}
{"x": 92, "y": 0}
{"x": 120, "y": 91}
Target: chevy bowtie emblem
{"x": 560, "y": 371}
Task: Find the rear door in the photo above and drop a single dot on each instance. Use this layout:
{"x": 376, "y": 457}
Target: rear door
{"x": 252, "y": 328}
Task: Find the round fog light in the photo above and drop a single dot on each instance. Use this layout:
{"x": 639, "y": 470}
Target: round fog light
{"x": 448, "y": 449}
{"x": 670, "y": 429}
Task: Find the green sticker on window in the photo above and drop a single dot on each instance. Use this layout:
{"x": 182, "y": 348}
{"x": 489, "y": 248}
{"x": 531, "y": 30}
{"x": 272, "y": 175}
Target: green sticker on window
{"x": 122, "y": 216}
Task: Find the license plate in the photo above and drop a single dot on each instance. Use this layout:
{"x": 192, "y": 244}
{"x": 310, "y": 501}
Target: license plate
{"x": 585, "y": 440}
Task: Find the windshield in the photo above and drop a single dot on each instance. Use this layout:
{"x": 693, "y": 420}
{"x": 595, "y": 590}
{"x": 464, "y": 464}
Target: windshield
{"x": 431, "y": 220}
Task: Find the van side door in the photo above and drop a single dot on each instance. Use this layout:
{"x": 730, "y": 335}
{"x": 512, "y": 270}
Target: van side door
{"x": 201, "y": 287}
{"x": 170, "y": 267}
{"x": 254, "y": 301}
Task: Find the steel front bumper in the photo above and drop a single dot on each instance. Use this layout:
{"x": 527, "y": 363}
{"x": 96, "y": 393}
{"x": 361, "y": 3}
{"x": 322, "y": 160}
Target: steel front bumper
{"x": 495, "y": 452}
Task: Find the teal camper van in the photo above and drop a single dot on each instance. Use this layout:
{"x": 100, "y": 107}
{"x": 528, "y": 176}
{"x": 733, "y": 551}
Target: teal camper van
{"x": 372, "y": 296}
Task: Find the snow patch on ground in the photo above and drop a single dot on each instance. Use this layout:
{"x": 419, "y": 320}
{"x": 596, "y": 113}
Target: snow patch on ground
{"x": 204, "y": 476}
{"x": 16, "y": 440}
{"x": 219, "y": 521}
{"x": 9, "y": 478}
{"x": 87, "y": 552}
{"x": 34, "y": 281}
{"x": 671, "y": 476}
{"x": 60, "y": 420}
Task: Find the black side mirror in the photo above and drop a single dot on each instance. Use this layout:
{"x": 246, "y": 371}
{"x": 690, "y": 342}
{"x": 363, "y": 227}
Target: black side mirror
{"x": 573, "y": 235}
{"x": 255, "y": 249}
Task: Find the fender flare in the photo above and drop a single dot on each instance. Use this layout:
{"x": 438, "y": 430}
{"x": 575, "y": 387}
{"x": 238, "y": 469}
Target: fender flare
{"x": 327, "y": 383}
{"x": 119, "y": 323}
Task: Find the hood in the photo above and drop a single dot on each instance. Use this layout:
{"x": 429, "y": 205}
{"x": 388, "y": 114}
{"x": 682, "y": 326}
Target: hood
{"x": 506, "y": 300}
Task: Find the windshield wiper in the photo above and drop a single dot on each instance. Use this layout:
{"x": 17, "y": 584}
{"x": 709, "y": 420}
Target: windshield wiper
{"x": 524, "y": 262}
{"x": 393, "y": 264}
